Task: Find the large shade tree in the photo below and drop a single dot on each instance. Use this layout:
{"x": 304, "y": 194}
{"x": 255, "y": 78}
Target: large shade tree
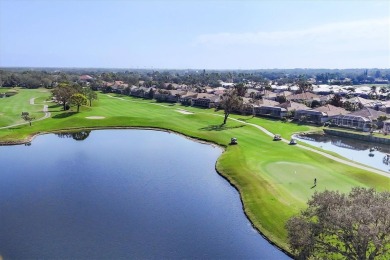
{"x": 343, "y": 226}
{"x": 78, "y": 100}
{"x": 230, "y": 101}
{"x": 63, "y": 93}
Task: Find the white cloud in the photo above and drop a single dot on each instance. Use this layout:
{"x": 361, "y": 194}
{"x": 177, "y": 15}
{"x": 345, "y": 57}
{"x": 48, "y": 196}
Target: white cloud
{"x": 360, "y": 35}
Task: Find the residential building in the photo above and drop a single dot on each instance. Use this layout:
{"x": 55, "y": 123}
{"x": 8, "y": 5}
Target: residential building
{"x": 168, "y": 95}
{"x": 293, "y": 106}
{"x": 303, "y": 97}
{"x": 205, "y": 100}
{"x": 319, "y": 115}
{"x": 360, "y": 120}
{"x": 270, "y": 111}
{"x": 386, "y": 126}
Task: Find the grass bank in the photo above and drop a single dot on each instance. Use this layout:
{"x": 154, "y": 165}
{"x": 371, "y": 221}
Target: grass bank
{"x": 274, "y": 179}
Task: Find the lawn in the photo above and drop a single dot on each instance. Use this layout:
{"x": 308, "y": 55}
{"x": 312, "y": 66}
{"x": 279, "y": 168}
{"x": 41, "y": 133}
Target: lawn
{"x": 12, "y": 107}
{"x": 274, "y": 179}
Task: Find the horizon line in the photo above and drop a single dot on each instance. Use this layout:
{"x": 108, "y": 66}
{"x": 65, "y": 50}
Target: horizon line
{"x": 221, "y": 69}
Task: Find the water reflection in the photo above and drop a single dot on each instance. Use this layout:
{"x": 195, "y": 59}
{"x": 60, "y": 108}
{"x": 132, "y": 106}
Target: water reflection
{"x": 121, "y": 195}
{"x": 346, "y": 142}
{"x": 78, "y": 136}
{"x": 372, "y": 154}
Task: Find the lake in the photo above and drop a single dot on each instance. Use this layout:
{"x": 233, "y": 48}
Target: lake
{"x": 370, "y": 154}
{"x": 121, "y": 194}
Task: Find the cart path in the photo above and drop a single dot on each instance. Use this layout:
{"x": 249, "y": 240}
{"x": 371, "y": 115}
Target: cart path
{"x": 349, "y": 163}
{"x": 44, "y": 110}
{"x": 343, "y": 161}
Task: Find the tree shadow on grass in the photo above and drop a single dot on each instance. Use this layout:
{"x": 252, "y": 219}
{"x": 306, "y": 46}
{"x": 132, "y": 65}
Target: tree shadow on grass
{"x": 64, "y": 115}
{"x": 219, "y": 127}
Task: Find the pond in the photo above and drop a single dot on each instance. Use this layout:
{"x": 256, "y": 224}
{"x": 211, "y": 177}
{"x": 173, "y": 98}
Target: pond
{"x": 370, "y": 154}
{"x": 121, "y": 194}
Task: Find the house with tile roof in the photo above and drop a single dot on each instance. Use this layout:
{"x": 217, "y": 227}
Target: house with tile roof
{"x": 141, "y": 92}
{"x": 293, "y": 106}
{"x": 270, "y": 111}
{"x": 171, "y": 96}
{"x": 186, "y": 99}
{"x": 302, "y": 97}
{"x": 205, "y": 100}
{"x": 319, "y": 115}
{"x": 370, "y": 113}
{"x": 359, "y": 120}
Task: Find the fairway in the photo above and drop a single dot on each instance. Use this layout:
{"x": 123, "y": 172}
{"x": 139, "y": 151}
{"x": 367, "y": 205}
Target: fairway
{"x": 12, "y": 107}
{"x": 274, "y": 179}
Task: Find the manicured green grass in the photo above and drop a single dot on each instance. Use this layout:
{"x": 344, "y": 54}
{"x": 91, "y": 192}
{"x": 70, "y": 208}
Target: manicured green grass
{"x": 12, "y": 107}
{"x": 274, "y": 179}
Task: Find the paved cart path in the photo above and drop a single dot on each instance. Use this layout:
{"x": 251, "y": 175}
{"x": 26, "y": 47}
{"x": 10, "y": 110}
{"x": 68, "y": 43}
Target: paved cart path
{"x": 340, "y": 160}
{"x": 319, "y": 152}
{"x": 32, "y": 102}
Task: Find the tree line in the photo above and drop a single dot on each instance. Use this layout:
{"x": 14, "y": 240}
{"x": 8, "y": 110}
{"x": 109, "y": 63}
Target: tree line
{"x": 48, "y": 78}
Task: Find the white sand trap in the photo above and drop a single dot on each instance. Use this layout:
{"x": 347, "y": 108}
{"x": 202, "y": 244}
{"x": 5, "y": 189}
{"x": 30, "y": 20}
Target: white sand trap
{"x": 184, "y": 112}
{"x": 95, "y": 117}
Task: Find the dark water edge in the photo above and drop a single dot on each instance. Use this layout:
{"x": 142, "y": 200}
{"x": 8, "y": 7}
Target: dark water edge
{"x": 370, "y": 154}
{"x": 121, "y": 194}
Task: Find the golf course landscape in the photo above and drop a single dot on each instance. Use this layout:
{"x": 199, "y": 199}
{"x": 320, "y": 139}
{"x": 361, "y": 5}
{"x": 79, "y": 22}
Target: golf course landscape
{"x": 274, "y": 179}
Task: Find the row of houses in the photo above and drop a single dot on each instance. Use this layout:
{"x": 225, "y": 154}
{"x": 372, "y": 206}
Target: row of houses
{"x": 187, "y": 98}
{"x": 267, "y": 107}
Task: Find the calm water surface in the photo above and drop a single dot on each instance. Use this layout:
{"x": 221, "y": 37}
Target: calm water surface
{"x": 121, "y": 194}
{"x": 371, "y": 154}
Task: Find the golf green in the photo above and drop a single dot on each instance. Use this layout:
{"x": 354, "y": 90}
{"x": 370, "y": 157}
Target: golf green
{"x": 274, "y": 179}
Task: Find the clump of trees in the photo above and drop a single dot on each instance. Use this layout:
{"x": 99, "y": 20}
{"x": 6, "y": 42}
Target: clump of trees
{"x": 342, "y": 226}
{"x": 66, "y": 94}
{"x": 89, "y": 94}
{"x": 63, "y": 93}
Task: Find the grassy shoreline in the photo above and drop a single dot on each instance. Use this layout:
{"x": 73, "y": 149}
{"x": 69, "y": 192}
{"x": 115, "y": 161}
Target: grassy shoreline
{"x": 273, "y": 179}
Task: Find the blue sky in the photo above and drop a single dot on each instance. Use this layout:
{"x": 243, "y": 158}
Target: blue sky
{"x": 195, "y": 34}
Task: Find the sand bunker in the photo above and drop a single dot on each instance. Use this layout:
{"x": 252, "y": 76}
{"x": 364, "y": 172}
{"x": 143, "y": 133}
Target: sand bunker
{"x": 95, "y": 117}
{"x": 184, "y": 112}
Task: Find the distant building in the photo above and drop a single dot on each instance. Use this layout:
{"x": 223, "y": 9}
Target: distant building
{"x": 359, "y": 120}
{"x": 85, "y": 78}
{"x": 270, "y": 111}
{"x": 319, "y": 115}
{"x": 293, "y": 106}
{"x": 386, "y": 126}
{"x": 302, "y": 97}
{"x": 205, "y": 100}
